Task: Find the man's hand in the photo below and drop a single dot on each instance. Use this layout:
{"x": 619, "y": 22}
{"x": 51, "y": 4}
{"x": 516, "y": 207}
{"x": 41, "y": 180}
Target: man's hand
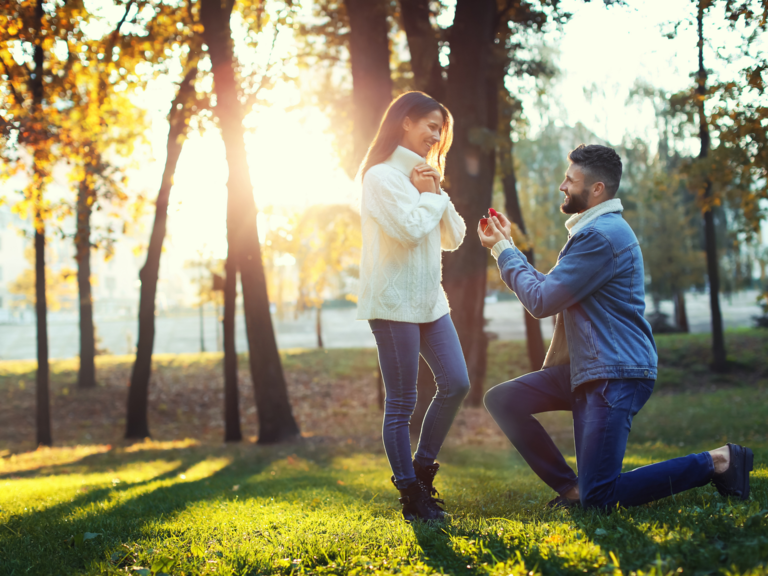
{"x": 503, "y": 224}
{"x": 492, "y": 233}
{"x": 421, "y": 173}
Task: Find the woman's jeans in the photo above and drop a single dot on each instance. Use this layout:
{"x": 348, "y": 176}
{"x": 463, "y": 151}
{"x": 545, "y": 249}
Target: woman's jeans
{"x": 399, "y": 345}
{"x": 602, "y": 417}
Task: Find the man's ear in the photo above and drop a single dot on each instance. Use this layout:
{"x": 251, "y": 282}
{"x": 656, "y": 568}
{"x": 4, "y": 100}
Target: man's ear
{"x": 599, "y": 189}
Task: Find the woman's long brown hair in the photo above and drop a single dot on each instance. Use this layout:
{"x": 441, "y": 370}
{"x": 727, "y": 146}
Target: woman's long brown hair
{"x": 413, "y": 105}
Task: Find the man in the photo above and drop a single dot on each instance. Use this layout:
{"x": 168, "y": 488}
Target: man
{"x": 601, "y": 364}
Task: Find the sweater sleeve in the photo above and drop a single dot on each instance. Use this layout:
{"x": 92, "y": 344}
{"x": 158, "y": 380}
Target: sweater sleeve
{"x": 587, "y": 266}
{"x": 400, "y": 214}
{"x": 452, "y": 227}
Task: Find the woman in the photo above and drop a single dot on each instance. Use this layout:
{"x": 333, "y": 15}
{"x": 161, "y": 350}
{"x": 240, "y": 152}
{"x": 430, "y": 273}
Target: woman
{"x": 406, "y": 220}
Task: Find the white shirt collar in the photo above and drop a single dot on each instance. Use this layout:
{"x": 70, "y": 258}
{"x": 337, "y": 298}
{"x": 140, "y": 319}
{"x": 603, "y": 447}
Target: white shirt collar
{"x": 404, "y": 160}
{"x": 577, "y": 221}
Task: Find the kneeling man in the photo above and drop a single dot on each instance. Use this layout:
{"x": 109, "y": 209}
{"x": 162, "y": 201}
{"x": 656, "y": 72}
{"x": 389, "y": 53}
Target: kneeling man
{"x": 601, "y": 364}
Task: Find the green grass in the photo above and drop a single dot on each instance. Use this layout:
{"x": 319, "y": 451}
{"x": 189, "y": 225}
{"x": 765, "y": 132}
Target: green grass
{"x": 317, "y": 507}
{"x": 325, "y": 505}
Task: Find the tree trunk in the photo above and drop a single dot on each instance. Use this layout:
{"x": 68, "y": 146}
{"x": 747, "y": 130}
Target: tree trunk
{"x": 43, "y": 404}
{"x": 86, "y": 377}
{"x": 423, "y": 46}
{"x": 232, "y": 432}
{"x": 319, "y": 326}
{"x": 472, "y": 98}
{"x": 719, "y": 363}
{"x": 534, "y": 341}
{"x": 371, "y": 79}
{"x": 276, "y": 422}
{"x": 136, "y": 422}
{"x": 681, "y": 316}
{"x": 44, "y": 436}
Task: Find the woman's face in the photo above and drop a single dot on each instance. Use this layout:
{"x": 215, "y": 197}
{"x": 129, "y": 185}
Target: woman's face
{"x": 421, "y": 135}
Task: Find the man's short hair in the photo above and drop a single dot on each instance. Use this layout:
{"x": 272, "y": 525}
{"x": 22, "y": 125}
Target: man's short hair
{"x": 599, "y": 164}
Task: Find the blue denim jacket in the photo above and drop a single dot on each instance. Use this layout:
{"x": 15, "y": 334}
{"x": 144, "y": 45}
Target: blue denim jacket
{"x": 598, "y": 286}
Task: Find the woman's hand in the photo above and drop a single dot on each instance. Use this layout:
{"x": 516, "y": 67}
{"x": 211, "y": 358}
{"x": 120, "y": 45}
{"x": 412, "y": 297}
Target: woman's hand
{"x": 492, "y": 232}
{"x": 421, "y": 177}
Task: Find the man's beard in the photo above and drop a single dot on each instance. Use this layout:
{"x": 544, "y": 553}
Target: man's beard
{"x": 575, "y": 203}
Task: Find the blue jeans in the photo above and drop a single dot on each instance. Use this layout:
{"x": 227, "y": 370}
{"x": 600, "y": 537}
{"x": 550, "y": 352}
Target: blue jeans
{"x": 399, "y": 345}
{"x": 602, "y": 417}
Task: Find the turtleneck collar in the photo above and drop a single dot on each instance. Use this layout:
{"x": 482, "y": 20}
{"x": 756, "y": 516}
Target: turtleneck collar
{"x": 404, "y": 160}
{"x": 577, "y": 221}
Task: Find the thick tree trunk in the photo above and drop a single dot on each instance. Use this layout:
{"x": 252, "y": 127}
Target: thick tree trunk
{"x": 232, "y": 432}
{"x": 719, "y": 363}
{"x": 136, "y": 422}
{"x": 533, "y": 339}
{"x": 86, "y": 377}
{"x": 472, "y": 98}
{"x": 424, "y": 48}
{"x": 371, "y": 79}
{"x": 276, "y": 422}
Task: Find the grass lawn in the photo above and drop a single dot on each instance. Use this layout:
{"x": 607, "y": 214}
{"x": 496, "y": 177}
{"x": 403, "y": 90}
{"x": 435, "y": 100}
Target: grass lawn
{"x": 324, "y": 505}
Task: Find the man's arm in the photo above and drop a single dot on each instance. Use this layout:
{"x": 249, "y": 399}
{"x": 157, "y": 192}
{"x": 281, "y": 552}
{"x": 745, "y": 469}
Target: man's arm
{"x": 587, "y": 266}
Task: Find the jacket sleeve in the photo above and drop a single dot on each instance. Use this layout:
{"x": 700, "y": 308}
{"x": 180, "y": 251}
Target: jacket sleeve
{"x": 452, "y": 227}
{"x": 587, "y": 266}
{"x": 502, "y": 245}
{"x": 400, "y": 214}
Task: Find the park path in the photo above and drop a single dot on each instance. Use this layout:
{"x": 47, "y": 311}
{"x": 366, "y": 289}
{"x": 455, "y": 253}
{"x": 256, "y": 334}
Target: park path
{"x": 179, "y": 334}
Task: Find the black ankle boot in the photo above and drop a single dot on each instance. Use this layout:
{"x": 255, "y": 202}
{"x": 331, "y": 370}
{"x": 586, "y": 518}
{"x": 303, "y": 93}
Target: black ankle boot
{"x": 426, "y": 474}
{"x": 418, "y": 504}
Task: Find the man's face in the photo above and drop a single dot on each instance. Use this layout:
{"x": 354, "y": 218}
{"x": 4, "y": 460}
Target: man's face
{"x": 576, "y": 191}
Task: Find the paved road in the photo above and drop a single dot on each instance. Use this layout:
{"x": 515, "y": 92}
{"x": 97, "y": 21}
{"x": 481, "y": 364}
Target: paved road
{"x": 340, "y": 329}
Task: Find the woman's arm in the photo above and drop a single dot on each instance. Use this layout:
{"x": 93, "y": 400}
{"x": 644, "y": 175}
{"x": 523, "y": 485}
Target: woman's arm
{"x": 403, "y": 216}
{"x": 452, "y": 228}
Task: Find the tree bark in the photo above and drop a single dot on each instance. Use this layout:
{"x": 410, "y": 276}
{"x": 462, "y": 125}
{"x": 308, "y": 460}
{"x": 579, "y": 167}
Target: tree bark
{"x": 424, "y": 48}
{"x": 42, "y": 385}
{"x": 232, "y": 432}
{"x": 472, "y": 98}
{"x": 276, "y": 422}
{"x": 371, "y": 78}
{"x": 136, "y": 422}
{"x": 86, "y": 377}
{"x": 534, "y": 341}
{"x": 719, "y": 363}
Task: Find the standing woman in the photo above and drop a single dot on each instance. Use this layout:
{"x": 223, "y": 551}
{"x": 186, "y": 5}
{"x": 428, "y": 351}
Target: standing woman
{"x": 406, "y": 221}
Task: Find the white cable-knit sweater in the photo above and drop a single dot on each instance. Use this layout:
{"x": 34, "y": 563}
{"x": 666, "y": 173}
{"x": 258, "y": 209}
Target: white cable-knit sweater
{"x": 403, "y": 234}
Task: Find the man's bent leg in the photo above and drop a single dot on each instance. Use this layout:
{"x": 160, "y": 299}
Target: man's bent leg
{"x": 512, "y": 405}
{"x": 603, "y": 413}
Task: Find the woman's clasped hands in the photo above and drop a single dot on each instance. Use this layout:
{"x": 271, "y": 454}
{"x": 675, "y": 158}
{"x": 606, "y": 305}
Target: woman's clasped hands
{"x": 426, "y": 179}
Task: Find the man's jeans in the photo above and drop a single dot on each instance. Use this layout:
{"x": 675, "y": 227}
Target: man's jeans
{"x": 399, "y": 345}
{"x": 602, "y": 417}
